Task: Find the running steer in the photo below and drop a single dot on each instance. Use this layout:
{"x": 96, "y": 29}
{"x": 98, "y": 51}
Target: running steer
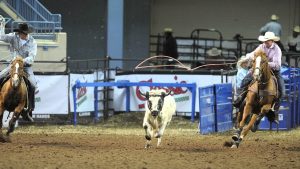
{"x": 160, "y": 107}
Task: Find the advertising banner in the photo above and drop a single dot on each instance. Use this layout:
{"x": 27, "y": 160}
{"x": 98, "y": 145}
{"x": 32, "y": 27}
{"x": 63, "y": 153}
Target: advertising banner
{"x": 51, "y": 96}
{"x": 183, "y": 96}
{"x": 84, "y": 95}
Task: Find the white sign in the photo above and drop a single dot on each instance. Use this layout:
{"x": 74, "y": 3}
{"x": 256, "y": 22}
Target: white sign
{"x": 51, "y": 96}
{"x": 84, "y": 95}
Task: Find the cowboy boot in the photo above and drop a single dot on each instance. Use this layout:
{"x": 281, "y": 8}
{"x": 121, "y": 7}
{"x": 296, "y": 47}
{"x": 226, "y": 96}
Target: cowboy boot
{"x": 237, "y": 102}
{"x": 27, "y": 114}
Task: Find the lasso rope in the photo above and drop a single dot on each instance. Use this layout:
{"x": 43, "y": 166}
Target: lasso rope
{"x": 181, "y": 65}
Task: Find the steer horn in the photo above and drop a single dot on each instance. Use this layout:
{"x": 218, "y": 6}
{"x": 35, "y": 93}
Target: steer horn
{"x": 145, "y": 95}
{"x": 168, "y": 93}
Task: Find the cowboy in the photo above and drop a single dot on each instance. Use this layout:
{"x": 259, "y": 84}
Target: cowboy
{"x": 243, "y": 68}
{"x": 274, "y": 55}
{"x": 24, "y": 45}
{"x": 275, "y": 27}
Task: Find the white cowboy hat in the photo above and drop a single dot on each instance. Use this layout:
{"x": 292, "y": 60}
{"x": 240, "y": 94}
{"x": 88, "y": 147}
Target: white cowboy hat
{"x": 297, "y": 29}
{"x": 274, "y": 17}
{"x": 268, "y": 36}
{"x": 168, "y": 30}
{"x": 241, "y": 61}
{"x": 214, "y": 52}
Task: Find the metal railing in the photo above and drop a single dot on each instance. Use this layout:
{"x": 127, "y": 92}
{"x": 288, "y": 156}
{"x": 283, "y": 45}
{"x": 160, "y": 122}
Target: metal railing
{"x": 35, "y": 13}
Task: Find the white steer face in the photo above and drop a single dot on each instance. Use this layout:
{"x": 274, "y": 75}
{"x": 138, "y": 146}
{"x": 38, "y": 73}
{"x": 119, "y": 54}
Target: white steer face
{"x": 155, "y": 104}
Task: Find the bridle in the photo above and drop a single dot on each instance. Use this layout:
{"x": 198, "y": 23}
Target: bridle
{"x": 16, "y": 75}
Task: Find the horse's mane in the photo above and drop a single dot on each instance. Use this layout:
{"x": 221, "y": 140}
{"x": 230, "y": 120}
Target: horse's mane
{"x": 264, "y": 66}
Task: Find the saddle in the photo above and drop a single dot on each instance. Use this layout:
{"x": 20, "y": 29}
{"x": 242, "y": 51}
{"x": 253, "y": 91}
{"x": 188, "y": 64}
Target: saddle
{"x": 273, "y": 92}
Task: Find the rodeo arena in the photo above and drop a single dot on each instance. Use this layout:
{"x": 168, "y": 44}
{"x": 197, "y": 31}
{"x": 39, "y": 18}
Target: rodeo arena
{"x": 145, "y": 84}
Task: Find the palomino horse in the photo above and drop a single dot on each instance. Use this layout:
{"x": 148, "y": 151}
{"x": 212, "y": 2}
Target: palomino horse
{"x": 260, "y": 97}
{"x": 13, "y": 96}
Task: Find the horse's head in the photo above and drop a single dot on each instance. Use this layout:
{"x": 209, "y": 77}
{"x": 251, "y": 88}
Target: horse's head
{"x": 260, "y": 66}
{"x": 17, "y": 71}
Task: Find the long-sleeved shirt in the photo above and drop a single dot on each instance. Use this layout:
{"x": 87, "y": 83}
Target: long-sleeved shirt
{"x": 272, "y": 26}
{"x": 273, "y": 53}
{"x": 18, "y": 47}
{"x": 241, "y": 73}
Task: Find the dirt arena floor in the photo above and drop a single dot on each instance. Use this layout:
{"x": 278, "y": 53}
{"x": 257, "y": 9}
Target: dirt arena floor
{"x": 113, "y": 145}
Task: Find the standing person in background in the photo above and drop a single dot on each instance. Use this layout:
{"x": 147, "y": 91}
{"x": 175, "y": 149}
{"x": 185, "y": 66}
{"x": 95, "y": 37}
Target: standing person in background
{"x": 273, "y": 26}
{"x": 24, "y": 45}
{"x": 294, "y": 40}
{"x": 169, "y": 45}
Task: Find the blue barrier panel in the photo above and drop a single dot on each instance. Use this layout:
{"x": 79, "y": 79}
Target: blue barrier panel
{"x": 215, "y": 108}
{"x": 284, "y": 117}
{"x": 223, "y": 107}
{"x": 207, "y": 122}
{"x": 298, "y": 97}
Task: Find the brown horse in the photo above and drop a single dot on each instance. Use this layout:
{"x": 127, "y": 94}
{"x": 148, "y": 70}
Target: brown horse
{"x": 13, "y": 96}
{"x": 260, "y": 97}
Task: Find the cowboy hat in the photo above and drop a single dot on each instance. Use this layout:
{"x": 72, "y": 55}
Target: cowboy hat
{"x": 241, "y": 61}
{"x": 23, "y": 28}
{"x": 274, "y": 17}
{"x": 214, "y": 52}
{"x": 297, "y": 29}
{"x": 168, "y": 30}
{"x": 268, "y": 36}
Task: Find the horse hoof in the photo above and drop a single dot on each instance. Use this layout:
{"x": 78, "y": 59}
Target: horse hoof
{"x": 147, "y": 146}
{"x": 254, "y": 128}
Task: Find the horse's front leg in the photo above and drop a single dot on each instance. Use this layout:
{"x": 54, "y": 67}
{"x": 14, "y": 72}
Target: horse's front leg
{"x": 248, "y": 127}
{"x": 2, "y": 138}
{"x": 12, "y": 122}
{"x": 246, "y": 112}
